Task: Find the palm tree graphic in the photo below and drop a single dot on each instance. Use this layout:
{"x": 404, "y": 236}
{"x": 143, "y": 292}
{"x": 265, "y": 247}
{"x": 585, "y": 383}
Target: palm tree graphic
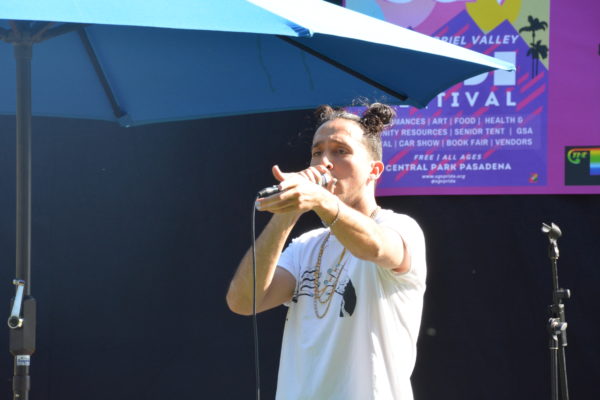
{"x": 536, "y": 49}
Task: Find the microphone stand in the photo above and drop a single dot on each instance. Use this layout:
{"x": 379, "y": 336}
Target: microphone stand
{"x": 557, "y": 325}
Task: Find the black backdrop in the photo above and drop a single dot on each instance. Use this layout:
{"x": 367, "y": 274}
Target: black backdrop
{"x": 136, "y": 233}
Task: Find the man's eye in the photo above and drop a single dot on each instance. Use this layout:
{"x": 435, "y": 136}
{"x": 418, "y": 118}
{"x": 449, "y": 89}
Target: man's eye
{"x": 317, "y": 153}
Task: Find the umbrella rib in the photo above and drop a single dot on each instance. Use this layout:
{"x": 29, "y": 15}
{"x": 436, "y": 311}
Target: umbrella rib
{"x": 47, "y": 33}
{"x": 344, "y": 68}
{"x": 38, "y": 29}
{"x": 117, "y": 110}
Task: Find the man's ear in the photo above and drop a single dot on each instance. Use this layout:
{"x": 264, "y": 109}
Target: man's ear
{"x": 376, "y": 170}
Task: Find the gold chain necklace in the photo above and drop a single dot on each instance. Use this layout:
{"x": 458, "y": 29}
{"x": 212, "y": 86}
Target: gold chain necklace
{"x": 325, "y": 295}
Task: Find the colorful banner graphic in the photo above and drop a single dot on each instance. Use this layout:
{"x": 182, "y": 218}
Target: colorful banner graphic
{"x": 488, "y": 134}
{"x": 582, "y": 165}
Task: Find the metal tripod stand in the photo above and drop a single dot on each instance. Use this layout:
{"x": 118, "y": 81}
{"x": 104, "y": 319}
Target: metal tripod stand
{"x": 557, "y": 325}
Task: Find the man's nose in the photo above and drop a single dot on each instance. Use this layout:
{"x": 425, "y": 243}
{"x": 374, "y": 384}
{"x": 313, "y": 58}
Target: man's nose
{"x": 325, "y": 161}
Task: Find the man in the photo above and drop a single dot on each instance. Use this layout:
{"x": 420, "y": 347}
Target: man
{"x": 355, "y": 288}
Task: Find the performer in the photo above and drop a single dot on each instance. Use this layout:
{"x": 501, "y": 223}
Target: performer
{"x": 355, "y": 287}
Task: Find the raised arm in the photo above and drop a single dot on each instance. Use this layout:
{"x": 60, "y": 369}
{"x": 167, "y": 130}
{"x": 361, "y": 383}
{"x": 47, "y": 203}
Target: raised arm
{"x": 274, "y": 286}
{"x": 363, "y": 237}
{"x": 358, "y": 232}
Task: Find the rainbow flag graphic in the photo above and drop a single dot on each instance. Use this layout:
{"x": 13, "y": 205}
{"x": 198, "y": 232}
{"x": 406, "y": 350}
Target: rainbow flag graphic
{"x": 595, "y": 161}
{"x": 582, "y": 166}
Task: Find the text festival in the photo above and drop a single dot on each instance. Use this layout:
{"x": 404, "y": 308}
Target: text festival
{"x": 498, "y": 98}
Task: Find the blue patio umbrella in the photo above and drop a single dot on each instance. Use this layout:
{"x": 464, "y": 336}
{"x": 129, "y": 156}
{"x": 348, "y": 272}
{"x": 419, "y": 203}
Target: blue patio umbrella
{"x": 226, "y": 57}
{"x": 144, "y": 61}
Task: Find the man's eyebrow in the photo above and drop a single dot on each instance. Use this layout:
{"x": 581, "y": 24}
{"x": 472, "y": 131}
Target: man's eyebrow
{"x": 317, "y": 144}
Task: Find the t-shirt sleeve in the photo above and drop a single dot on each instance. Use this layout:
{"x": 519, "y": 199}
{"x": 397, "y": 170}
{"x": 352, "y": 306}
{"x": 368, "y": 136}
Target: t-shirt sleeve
{"x": 290, "y": 258}
{"x": 414, "y": 240}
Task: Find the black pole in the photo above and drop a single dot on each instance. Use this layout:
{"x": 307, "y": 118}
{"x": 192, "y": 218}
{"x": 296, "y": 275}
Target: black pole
{"x": 23, "y": 52}
{"x": 22, "y": 321}
{"x": 22, "y": 332}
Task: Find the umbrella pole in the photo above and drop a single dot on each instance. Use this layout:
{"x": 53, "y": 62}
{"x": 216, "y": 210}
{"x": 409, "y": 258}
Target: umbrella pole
{"x": 22, "y": 321}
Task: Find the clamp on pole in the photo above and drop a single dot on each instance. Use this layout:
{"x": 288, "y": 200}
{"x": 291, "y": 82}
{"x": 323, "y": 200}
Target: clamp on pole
{"x": 15, "y": 321}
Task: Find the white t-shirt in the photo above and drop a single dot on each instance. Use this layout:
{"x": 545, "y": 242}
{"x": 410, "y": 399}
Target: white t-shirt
{"x": 365, "y": 346}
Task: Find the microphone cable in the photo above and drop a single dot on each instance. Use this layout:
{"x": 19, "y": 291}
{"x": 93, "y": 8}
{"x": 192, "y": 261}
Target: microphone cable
{"x": 254, "y": 319}
{"x": 325, "y": 179}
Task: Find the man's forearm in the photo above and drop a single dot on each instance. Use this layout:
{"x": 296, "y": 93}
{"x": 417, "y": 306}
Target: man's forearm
{"x": 269, "y": 246}
{"x": 360, "y": 234}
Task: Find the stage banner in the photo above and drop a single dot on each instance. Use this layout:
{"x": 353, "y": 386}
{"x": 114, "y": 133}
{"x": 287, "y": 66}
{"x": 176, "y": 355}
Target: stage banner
{"x": 489, "y": 132}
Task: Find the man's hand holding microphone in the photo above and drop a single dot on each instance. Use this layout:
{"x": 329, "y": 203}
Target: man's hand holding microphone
{"x": 297, "y": 191}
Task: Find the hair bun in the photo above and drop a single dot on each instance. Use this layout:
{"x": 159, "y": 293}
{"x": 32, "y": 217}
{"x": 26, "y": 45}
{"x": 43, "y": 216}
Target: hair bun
{"x": 377, "y": 117}
{"x": 323, "y": 114}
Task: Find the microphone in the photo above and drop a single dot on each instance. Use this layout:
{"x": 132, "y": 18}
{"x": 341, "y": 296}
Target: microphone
{"x": 271, "y": 190}
{"x": 552, "y": 230}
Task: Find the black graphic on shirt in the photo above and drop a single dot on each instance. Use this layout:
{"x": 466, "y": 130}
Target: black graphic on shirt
{"x": 345, "y": 288}
{"x": 349, "y": 299}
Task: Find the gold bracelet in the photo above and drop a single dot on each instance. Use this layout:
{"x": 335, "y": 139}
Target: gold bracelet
{"x": 337, "y": 217}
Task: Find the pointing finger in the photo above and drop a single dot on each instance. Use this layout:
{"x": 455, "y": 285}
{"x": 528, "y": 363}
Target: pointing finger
{"x": 278, "y": 174}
